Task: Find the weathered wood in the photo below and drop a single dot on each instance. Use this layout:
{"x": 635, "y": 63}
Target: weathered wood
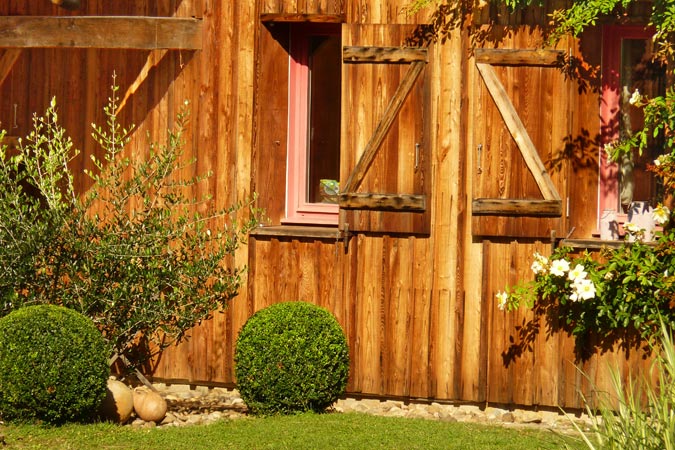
{"x": 101, "y": 32}
{"x": 297, "y": 232}
{"x": 520, "y": 57}
{"x": 356, "y": 177}
{"x": 10, "y": 141}
{"x": 299, "y": 18}
{"x": 403, "y": 161}
{"x": 383, "y": 202}
{"x": 67, "y": 4}
{"x": 7, "y": 61}
{"x": 354, "y": 54}
{"x": 153, "y": 60}
{"x": 518, "y": 132}
{"x": 514, "y": 207}
{"x": 419, "y": 312}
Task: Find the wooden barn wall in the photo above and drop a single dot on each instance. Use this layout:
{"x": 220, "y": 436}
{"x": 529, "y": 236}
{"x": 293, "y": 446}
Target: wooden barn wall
{"x": 419, "y": 310}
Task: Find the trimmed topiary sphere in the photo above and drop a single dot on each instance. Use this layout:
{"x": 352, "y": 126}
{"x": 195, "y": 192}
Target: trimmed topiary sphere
{"x": 53, "y": 366}
{"x": 291, "y": 357}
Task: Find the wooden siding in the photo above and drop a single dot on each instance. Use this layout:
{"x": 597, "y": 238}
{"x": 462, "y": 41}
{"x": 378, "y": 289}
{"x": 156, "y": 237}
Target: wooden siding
{"x": 418, "y": 309}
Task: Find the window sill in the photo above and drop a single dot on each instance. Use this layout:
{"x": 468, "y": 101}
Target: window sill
{"x": 594, "y": 243}
{"x": 299, "y": 231}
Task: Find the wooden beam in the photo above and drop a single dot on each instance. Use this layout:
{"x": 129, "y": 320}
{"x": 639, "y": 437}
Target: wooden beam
{"x": 513, "y": 57}
{"x": 356, "y": 177}
{"x": 353, "y": 54}
{"x": 383, "y": 202}
{"x": 7, "y": 61}
{"x": 513, "y": 207}
{"x": 296, "y": 231}
{"x": 518, "y": 132}
{"x": 295, "y": 18}
{"x": 101, "y": 32}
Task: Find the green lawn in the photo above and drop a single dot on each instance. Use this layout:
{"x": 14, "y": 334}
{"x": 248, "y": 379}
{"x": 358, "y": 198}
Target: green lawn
{"x": 306, "y": 431}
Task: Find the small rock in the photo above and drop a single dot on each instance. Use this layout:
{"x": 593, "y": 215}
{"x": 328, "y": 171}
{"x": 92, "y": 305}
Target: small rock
{"x": 168, "y": 418}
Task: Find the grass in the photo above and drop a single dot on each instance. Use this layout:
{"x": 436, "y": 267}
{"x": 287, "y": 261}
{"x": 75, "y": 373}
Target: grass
{"x": 304, "y": 431}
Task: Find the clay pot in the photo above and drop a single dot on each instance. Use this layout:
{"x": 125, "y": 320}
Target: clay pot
{"x": 149, "y": 406}
{"x": 118, "y": 403}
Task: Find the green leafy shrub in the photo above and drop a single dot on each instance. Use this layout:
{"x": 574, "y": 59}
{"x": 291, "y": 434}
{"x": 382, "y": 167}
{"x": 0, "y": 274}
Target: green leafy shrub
{"x": 291, "y": 357}
{"x": 136, "y": 253}
{"x": 53, "y": 365}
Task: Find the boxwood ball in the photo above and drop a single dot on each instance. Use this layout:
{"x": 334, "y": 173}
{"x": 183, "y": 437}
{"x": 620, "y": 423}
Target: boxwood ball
{"x": 53, "y": 366}
{"x": 291, "y": 357}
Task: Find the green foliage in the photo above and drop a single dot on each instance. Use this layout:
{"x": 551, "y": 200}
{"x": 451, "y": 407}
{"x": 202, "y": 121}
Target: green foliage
{"x": 53, "y": 365}
{"x": 291, "y": 357}
{"x": 136, "y": 253}
{"x": 637, "y": 414}
{"x": 628, "y": 290}
{"x": 582, "y": 14}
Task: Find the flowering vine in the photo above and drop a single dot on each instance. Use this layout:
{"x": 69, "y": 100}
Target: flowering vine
{"x": 627, "y": 289}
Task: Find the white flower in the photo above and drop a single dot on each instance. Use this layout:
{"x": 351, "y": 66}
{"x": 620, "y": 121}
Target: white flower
{"x": 559, "y": 267}
{"x": 632, "y": 228}
{"x": 540, "y": 263}
{"x": 583, "y": 290}
{"x": 661, "y": 215}
{"x": 635, "y": 97}
{"x": 577, "y": 274}
{"x": 537, "y": 268}
{"x": 502, "y": 299}
{"x": 609, "y": 149}
{"x": 662, "y": 159}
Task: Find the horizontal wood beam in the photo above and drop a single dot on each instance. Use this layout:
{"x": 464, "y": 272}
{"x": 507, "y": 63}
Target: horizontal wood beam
{"x": 295, "y": 18}
{"x": 512, "y": 57}
{"x": 592, "y": 243}
{"x": 296, "y": 231}
{"x": 354, "y": 54}
{"x": 383, "y": 202}
{"x": 129, "y": 32}
{"x": 514, "y": 207}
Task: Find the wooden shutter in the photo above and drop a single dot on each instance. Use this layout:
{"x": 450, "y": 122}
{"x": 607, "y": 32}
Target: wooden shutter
{"x": 522, "y": 122}
{"x": 385, "y": 143}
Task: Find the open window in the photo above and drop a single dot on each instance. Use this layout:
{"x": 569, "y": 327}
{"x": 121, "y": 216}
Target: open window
{"x": 628, "y": 67}
{"x": 297, "y": 118}
{"x": 313, "y": 170}
{"x": 342, "y": 125}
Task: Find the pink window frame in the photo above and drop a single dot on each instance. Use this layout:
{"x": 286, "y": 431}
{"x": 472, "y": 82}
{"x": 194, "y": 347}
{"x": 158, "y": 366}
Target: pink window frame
{"x": 298, "y": 210}
{"x": 608, "y": 176}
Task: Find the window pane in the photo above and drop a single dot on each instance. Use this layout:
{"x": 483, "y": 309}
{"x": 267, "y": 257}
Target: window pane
{"x": 638, "y": 72}
{"x": 323, "y": 140}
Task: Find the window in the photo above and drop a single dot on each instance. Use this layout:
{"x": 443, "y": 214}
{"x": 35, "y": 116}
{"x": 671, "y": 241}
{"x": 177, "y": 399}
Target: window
{"x": 314, "y": 124}
{"x": 627, "y": 67}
